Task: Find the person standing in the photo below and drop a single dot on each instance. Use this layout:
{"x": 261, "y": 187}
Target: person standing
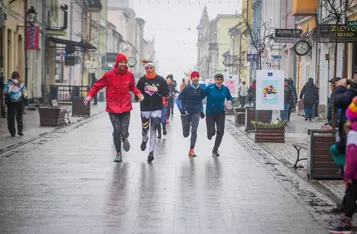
{"x": 252, "y": 93}
{"x": 293, "y": 104}
{"x": 216, "y": 94}
{"x": 350, "y": 173}
{"x": 163, "y": 118}
{"x": 171, "y": 99}
{"x": 118, "y": 82}
{"x": 189, "y": 102}
{"x": 154, "y": 87}
{"x": 15, "y": 95}
{"x": 94, "y": 79}
{"x": 242, "y": 93}
{"x": 288, "y": 100}
{"x": 183, "y": 84}
{"x": 309, "y": 94}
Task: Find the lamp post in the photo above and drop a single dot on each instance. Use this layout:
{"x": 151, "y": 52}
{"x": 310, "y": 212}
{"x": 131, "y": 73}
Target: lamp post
{"x": 31, "y": 18}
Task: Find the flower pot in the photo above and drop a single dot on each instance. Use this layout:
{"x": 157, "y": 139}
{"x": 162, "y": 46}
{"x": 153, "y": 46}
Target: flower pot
{"x": 270, "y": 134}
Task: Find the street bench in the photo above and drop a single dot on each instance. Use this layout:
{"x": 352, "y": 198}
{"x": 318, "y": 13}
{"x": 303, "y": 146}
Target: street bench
{"x": 298, "y": 147}
{"x": 53, "y": 115}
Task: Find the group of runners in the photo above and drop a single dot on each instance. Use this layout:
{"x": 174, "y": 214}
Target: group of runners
{"x": 153, "y": 93}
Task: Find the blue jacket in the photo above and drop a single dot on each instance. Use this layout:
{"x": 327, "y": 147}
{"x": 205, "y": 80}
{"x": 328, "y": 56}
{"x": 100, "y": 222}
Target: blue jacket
{"x": 216, "y": 99}
{"x": 190, "y": 99}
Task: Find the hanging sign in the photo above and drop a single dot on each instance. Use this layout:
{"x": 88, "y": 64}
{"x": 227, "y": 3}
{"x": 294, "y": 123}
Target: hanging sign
{"x": 32, "y": 38}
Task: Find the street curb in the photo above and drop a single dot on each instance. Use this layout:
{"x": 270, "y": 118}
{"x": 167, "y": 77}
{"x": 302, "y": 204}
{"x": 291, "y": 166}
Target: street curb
{"x": 319, "y": 187}
{"x": 76, "y": 124}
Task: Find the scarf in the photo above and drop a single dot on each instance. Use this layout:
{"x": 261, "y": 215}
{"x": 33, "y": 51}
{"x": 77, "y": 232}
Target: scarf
{"x": 195, "y": 86}
{"x": 152, "y": 76}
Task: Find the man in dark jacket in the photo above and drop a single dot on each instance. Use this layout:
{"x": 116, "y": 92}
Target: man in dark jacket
{"x": 329, "y": 107}
{"x": 173, "y": 91}
{"x": 343, "y": 97}
{"x": 293, "y": 104}
{"x": 309, "y": 94}
{"x": 190, "y": 105}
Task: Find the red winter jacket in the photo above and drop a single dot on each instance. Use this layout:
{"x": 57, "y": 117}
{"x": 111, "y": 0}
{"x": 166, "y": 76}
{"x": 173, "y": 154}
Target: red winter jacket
{"x": 119, "y": 84}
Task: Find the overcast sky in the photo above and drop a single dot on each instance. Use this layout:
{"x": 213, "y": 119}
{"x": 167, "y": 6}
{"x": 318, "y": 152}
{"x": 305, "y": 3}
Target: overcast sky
{"x": 174, "y": 22}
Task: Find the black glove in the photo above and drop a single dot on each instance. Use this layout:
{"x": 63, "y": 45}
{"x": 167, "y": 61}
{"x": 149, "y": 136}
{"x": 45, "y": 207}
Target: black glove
{"x": 202, "y": 115}
{"x": 183, "y": 112}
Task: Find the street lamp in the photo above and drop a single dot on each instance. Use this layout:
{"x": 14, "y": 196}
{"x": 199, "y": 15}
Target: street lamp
{"x": 32, "y": 15}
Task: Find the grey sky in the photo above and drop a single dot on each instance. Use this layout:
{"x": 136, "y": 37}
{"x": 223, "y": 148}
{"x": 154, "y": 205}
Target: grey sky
{"x": 173, "y": 22}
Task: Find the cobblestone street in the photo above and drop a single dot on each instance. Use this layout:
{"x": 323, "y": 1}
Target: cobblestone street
{"x": 67, "y": 182}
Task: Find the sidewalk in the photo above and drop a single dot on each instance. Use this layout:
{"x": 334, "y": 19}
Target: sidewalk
{"x": 32, "y": 126}
{"x": 296, "y": 132}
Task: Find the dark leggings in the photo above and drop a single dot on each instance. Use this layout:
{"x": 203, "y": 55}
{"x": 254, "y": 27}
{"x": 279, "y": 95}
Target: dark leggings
{"x": 15, "y": 111}
{"x": 120, "y": 124}
{"x": 350, "y": 199}
{"x": 215, "y": 123}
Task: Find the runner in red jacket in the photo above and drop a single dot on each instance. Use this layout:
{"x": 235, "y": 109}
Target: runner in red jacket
{"x": 119, "y": 82}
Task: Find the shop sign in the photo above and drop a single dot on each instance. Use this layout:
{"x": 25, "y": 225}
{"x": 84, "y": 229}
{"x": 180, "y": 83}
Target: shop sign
{"x": 340, "y": 33}
{"x": 284, "y": 35}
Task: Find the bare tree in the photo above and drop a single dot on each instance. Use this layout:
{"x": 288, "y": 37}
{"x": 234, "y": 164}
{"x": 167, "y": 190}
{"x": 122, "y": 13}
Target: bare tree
{"x": 337, "y": 11}
{"x": 260, "y": 37}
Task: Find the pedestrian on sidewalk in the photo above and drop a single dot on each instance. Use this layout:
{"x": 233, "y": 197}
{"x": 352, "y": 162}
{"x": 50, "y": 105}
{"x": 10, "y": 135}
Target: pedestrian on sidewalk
{"x": 15, "y": 96}
{"x": 163, "y": 118}
{"x": 118, "y": 82}
{"x": 252, "y": 93}
{"x": 350, "y": 174}
{"x": 94, "y": 79}
{"x": 309, "y": 94}
{"x": 189, "y": 102}
{"x": 242, "y": 93}
{"x": 331, "y": 100}
{"x": 216, "y": 93}
{"x": 288, "y": 101}
{"x": 171, "y": 99}
{"x": 154, "y": 87}
{"x": 2, "y": 96}
{"x": 183, "y": 84}
{"x": 293, "y": 104}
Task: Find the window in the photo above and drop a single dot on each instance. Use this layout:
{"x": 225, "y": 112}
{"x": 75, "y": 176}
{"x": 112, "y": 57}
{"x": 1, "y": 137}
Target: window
{"x": 59, "y": 71}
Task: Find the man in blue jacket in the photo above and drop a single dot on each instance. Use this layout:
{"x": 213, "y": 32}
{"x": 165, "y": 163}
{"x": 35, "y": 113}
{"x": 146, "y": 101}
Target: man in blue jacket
{"x": 216, "y": 94}
{"x": 189, "y": 102}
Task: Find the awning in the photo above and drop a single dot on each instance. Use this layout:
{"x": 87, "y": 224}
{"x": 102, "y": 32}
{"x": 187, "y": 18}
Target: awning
{"x": 80, "y": 44}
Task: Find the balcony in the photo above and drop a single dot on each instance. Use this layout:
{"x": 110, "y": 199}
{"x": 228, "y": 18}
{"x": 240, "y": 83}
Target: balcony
{"x": 93, "y": 5}
{"x": 304, "y": 7}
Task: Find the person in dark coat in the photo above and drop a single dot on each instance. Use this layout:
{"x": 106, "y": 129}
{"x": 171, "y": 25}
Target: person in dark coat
{"x": 293, "y": 104}
{"x": 329, "y": 106}
{"x": 171, "y": 100}
{"x": 252, "y": 93}
{"x": 288, "y": 100}
{"x": 343, "y": 97}
{"x": 94, "y": 79}
{"x": 309, "y": 94}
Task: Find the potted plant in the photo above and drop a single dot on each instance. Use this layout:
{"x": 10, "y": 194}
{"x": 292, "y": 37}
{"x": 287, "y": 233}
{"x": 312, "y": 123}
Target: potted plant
{"x": 269, "y": 132}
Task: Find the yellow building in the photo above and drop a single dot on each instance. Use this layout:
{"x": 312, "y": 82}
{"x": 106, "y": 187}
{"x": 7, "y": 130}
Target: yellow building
{"x": 351, "y": 52}
{"x": 13, "y": 39}
{"x": 224, "y": 23}
{"x": 247, "y": 13}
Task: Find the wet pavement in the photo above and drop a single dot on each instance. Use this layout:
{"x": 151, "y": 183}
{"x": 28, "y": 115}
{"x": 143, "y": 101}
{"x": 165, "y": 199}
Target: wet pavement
{"x": 32, "y": 128}
{"x": 67, "y": 182}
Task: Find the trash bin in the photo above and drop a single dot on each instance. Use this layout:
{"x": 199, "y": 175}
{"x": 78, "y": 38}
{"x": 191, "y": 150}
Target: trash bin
{"x": 54, "y": 92}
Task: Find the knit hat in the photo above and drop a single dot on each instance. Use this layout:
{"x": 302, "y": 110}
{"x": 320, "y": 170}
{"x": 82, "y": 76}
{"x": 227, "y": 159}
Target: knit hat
{"x": 195, "y": 74}
{"x": 121, "y": 58}
{"x": 351, "y": 113}
{"x": 170, "y": 76}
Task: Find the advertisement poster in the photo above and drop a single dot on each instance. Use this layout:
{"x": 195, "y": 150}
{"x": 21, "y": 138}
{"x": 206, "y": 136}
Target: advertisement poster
{"x": 230, "y": 82}
{"x": 270, "y": 90}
